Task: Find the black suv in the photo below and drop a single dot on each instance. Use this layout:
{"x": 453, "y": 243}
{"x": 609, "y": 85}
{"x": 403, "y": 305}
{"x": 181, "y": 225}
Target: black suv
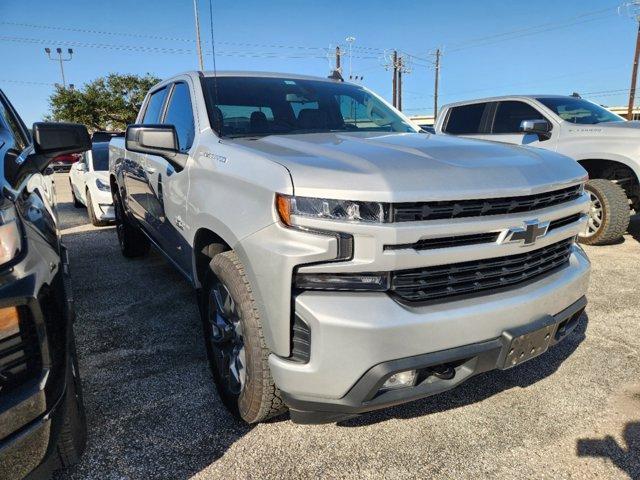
{"x": 42, "y": 420}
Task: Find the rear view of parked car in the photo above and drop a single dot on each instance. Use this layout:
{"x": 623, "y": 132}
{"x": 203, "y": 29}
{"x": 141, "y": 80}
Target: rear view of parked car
{"x": 42, "y": 420}
{"x": 604, "y": 144}
{"x": 89, "y": 178}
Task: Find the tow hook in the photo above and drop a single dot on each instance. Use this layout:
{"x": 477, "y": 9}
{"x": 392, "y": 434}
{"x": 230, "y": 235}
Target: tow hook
{"x": 443, "y": 372}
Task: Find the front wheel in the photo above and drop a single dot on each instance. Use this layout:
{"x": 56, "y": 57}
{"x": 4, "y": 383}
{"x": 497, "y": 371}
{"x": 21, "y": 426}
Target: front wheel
{"x": 608, "y": 213}
{"x": 237, "y": 353}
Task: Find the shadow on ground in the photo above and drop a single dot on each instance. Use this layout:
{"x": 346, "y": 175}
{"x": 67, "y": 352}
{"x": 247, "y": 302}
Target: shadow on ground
{"x": 484, "y": 385}
{"x": 625, "y": 456}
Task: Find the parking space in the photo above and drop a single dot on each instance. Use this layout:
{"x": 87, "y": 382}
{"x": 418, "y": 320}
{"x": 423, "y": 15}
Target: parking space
{"x": 153, "y": 411}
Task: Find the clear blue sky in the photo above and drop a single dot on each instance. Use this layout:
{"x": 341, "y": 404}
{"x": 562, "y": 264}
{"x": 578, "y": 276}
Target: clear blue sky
{"x": 554, "y": 46}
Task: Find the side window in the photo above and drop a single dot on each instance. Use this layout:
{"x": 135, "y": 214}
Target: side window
{"x": 154, "y": 107}
{"x": 14, "y": 127}
{"x": 180, "y": 114}
{"x": 510, "y": 114}
{"x": 465, "y": 119}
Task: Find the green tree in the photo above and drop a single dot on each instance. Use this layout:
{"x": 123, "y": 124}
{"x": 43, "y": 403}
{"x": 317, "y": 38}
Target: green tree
{"x": 106, "y": 103}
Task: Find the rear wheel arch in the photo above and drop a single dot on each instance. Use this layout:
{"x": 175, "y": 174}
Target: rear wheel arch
{"x": 619, "y": 172}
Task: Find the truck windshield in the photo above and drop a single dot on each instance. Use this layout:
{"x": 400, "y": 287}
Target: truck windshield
{"x": 260, "y": 106}
{"x": 577, "y": 110}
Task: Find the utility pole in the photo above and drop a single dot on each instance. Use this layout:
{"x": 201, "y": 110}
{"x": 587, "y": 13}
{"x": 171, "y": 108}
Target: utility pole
{"x": 634, "y": 74}
{"x": 399, "y": 84}
{"x": 198, "y": 44}
{"x": 338, "y": 66}
{"x": 394, "y": 61}
{"x": 60, "y": 60}
{"x": 435, "y": 90}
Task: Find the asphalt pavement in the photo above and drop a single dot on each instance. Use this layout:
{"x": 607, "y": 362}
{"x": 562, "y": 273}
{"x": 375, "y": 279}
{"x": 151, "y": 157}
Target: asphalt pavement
{"x": 153, "y": 411}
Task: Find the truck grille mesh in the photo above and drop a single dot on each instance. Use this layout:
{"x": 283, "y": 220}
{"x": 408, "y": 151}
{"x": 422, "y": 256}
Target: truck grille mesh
{"x": 420, "y": 211}
{"x": 19, "y": 356}
{"x": 443, "y": 281}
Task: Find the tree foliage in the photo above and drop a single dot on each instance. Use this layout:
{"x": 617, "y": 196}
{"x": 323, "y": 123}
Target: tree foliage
{"x": 106, "y": 103}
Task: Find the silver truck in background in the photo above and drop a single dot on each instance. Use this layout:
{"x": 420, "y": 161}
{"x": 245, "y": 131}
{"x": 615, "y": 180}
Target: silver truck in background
{"x": 605, "y": 144}
{"x": 345, "y": 262}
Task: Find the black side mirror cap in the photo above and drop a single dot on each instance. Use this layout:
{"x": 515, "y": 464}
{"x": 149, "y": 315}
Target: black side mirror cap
{"x": 152, "y": 139}
{"x": 52, "y": 139}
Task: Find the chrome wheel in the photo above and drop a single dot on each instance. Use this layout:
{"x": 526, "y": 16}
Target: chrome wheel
{"x": 596, "y": 216}
{"x": 226, "y": 338}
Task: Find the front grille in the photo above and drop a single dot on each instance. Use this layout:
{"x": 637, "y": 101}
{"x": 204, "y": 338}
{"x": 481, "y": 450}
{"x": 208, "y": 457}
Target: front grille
{"x": 473, "y": 239}
{"x": 444, "y": 281}
{"x": 19, "y": 355}
{"x": 420, "y": 211}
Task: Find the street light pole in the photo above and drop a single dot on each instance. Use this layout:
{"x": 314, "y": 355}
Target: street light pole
{"x": 60, "y": 60}
{"x": 350, "y": 41}
{"x": 634, "y": 74}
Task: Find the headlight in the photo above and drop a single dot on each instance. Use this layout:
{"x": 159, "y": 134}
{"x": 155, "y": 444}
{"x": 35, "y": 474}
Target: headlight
{"x": 371, "y": 282}
{"x": 344, "y": 210}
{"x": 102, "y": 186}
{"x": 10, "y": 238}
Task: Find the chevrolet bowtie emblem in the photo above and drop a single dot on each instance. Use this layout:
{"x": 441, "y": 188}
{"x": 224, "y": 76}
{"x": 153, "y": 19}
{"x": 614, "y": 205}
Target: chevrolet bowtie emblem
{"x": 532, "y": 230}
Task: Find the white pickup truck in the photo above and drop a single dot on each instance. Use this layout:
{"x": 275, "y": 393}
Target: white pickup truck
{"x": 605, "y": 144}
{"x": 343, "y": 260}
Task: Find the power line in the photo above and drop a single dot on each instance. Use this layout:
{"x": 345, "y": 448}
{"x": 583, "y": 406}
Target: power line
{"x": 532, "y": 30}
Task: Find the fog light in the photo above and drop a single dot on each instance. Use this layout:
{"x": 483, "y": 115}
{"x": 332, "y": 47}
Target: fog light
{"x": 400, "y": 380}
{"x": 9, "y": 321}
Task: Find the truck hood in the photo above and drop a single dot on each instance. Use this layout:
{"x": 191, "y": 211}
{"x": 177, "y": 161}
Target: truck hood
{"x": 399, "y": 167}
{"x": 606, "y": 130}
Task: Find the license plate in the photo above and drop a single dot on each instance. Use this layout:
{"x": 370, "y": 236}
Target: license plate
{"x": 527, "y": 346}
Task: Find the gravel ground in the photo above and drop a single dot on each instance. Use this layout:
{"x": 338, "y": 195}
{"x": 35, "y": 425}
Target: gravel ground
{"x": 153, "y": 412}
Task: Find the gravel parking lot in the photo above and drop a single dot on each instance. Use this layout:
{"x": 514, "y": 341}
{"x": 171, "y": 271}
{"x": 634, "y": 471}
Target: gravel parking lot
{"x": 153, "y": 411}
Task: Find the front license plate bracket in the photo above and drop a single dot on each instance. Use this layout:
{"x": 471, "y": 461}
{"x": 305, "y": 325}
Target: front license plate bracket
{"x": 524, "y": 344}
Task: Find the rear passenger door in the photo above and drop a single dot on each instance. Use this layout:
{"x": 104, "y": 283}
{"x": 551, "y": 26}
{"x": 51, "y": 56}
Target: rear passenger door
{"x": 471, "y": 120}
{"x": 168, "y": 181}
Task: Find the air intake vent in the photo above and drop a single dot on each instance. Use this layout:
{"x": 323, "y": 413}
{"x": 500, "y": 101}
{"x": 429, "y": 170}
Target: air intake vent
{"x": 19, "y": 356}
{"x": 301, "y": 340}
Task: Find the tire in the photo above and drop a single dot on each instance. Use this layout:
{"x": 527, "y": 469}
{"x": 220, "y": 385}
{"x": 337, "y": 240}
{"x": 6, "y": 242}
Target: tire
{"x": 133, "y": 243}
{"x": 225, "y": 290}
{"x": 76, "y": 203}
{"x": 73, "y": 434}
{"x": 609, "y": 216}
{"x": 92, "y": 213}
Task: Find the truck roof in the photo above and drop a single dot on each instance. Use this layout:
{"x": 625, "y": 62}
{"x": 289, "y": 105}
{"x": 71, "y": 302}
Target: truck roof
{"x": 244, "y": 73}
{"x": 504, "y": 97}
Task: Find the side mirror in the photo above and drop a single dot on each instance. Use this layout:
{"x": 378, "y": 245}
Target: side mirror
{"x": 159, "y": 140}
{"x": 542, "y": 128}
{"x": 52, "y": 139}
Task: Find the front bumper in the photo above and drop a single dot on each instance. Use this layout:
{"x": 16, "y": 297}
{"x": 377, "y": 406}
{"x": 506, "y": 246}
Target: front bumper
{"x": 103, "y": 205}
{"x": 352, "y": 333}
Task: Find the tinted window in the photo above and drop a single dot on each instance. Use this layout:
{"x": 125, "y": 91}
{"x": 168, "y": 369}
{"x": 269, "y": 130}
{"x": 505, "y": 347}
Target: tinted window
{"x": 154, "y": 107}
{"x": 510, "y": 115}
{"x": 11, "y": 123}
{"x": 465, "y": 119}
{"x": 577, "y": 110}
{"x": 100, "y": 156}
{"x": 180, "y": 115}
{"x": 295, "y": 106}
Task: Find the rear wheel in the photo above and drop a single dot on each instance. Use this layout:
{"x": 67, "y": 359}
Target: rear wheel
{"x": 608, "y": 214}
{"x": 73, "y": 435}
{"x": 76, "y": 203}
{"x": 235, "y": 344}
{"x": 133, "y": 243}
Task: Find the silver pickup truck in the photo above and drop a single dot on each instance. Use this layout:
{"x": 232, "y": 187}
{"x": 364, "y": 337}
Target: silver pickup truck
{"x": 345, "y": 262}
{"x": 603, "y": 143}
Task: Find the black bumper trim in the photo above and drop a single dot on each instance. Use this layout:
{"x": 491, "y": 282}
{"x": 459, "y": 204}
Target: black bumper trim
{"x": 468, "y": 361}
